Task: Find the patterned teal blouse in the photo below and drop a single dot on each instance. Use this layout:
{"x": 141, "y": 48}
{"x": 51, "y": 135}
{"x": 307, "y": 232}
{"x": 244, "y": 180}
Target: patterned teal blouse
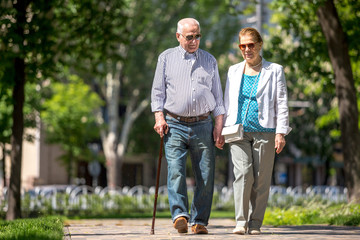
{"x": 251, "y": 123}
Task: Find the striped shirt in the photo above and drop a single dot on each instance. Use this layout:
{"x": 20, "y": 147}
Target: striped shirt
{"x": 187, "y": 84}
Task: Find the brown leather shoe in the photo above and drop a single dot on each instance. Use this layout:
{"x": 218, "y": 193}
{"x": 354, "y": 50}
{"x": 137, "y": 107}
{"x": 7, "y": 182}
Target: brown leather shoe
{"x": 181, "y": 225}
{"x": 199, "y": 229}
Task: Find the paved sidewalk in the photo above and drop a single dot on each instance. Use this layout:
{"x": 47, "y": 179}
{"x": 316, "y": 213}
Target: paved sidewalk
{"x": 218, "y": 229}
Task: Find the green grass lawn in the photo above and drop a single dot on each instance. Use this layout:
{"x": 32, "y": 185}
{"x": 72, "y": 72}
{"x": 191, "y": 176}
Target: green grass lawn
{"x": 43, "y": 228}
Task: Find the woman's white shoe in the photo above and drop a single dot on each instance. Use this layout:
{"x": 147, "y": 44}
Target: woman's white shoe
{"x": 239, "y": 230}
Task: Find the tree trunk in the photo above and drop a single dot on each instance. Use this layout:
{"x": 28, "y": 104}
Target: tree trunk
{"x": 114, "y": 146}
{"x": 109, "y": 138}
{"x": 109, "y": 143}
{"x": 346, "y": 93}
{"x": 14, "y": 192}
{"x": 130, "y": 116}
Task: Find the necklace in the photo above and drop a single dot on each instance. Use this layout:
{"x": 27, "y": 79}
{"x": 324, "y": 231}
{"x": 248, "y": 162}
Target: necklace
{"x": 255, "y": 65}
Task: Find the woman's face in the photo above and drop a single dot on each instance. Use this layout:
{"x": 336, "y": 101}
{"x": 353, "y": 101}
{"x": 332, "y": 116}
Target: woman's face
{"x": 250, "y": 49}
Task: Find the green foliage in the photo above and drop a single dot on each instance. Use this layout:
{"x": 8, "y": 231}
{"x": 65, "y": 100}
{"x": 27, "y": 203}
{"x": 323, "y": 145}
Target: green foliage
{"x": 56, "y": 34}
{"x": 44, "y": 228}
{"x": 49, "y": 36}
{"x": 292, "y": 216}
{"x": 300, "y": 46}
{"x": 312, "y": 211}
{"x": 346, "y": 220}
{"x": 346, "y": 214}
{"x": 31, "y": 108}
{"x": 92, "y": 31}
{"x": 69, "y": 118}
{"x": 5, "y": 120}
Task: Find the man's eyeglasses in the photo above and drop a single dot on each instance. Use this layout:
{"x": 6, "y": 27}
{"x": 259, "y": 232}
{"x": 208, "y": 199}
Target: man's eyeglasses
{"x": 191, "y": 37}
{"x": 249, "y": 45}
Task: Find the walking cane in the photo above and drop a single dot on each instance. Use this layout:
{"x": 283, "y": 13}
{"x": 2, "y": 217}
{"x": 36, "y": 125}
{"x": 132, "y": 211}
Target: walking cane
{"x": 157, "y": 184}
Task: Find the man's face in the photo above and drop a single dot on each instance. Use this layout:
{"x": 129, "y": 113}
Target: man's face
{"x": 188, "y": 31}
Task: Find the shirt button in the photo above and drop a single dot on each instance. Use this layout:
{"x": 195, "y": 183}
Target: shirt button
{"x": 194, "y": 110}
{"x": 193, "y": 89}
{"x": 194, "y": 100}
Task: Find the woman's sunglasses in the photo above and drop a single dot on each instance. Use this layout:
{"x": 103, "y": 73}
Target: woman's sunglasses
{"x": 249, "y": 45}
{"x": 191, "y": 37}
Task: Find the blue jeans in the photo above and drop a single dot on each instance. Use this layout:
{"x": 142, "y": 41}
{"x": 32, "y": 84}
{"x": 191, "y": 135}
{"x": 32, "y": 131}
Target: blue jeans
{"x": 196, "y": 137}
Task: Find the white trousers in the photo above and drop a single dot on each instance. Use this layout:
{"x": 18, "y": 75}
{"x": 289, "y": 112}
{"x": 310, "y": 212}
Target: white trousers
{"x": 253, "y": 159}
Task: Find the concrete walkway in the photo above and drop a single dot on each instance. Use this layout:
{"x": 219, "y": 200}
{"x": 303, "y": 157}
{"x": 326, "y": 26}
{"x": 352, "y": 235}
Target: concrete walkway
{"x": 218, "y": 229}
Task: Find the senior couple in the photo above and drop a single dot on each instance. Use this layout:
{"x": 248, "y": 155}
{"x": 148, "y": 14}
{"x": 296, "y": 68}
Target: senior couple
{"x": 186, "y": 91}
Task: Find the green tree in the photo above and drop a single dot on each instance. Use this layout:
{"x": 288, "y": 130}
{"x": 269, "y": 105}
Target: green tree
{"x": 38, "y": 38}
{"x": 21, "y": 59}
{"x": 327, "y": 47}
{"x": 338, "y": 50}
{"x": 31, "y": 107}
{"x": 69, "y": 120}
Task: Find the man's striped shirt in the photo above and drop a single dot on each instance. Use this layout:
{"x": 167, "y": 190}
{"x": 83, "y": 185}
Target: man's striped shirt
{"x": 186, "y": 87}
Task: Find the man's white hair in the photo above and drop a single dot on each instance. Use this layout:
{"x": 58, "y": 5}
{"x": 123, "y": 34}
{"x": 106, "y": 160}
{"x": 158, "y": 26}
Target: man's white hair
{"x": 180, "y": 24}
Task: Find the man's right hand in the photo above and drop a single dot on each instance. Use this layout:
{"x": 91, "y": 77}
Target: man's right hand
{"x": 160, "y": 126}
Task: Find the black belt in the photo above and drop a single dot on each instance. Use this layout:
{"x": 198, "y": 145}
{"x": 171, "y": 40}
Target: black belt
{"x": 189, "y": 119}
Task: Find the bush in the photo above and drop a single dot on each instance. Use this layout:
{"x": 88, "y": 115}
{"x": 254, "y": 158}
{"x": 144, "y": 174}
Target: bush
{"x": 314, "y": 212}
{"x": 345, "y": 214}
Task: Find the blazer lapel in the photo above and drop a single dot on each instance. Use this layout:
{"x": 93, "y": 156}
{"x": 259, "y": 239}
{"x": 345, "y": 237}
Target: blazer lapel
{"x": 239, "y": 73}
{"x": 264, "y": 75}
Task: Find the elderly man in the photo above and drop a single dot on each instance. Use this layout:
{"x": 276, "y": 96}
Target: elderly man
{"x": 186, "y": 90}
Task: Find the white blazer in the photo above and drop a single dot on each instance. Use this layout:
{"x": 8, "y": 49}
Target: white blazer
{"x": 271, "y": 96}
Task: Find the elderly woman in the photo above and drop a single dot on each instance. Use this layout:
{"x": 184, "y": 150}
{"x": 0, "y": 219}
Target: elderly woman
{"x": 256, "y": 97}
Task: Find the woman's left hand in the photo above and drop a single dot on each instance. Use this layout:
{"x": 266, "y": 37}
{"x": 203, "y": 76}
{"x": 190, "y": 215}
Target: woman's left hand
{"x": 279, "y": 142}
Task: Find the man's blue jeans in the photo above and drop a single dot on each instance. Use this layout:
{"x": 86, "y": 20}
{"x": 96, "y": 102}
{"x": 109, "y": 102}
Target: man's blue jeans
{"x": 198, "y": 139}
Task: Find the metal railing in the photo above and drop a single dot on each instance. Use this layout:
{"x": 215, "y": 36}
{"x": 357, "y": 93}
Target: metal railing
{"x": 72, "y": 196}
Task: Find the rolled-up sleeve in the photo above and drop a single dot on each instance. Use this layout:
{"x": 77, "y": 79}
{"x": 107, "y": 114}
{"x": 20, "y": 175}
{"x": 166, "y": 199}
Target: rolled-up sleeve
{"x": 158, "y": 88}
{"x": 217, "y": 92}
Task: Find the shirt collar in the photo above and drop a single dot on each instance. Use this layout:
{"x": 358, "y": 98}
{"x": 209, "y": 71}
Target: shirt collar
{"x": 184, "y": 53}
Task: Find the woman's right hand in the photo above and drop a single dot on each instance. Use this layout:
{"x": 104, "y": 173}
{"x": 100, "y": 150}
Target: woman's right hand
{"x": 279, "y": 142}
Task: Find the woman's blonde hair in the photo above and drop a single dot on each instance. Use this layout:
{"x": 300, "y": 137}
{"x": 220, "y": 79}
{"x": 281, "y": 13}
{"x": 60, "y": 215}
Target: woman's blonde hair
{"x": 252, "y": 32}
